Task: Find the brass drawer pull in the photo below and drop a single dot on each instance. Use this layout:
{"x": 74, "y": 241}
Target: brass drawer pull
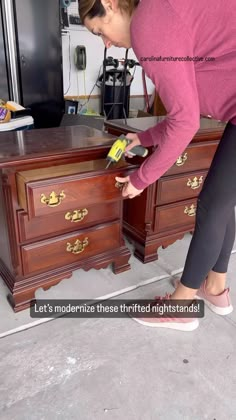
{"x": 190, "y": 211}
{"x": 195, "y": 183}
{"x": 76, "y": 215}
{"x": 78, "y": 246}
{"x": 181, "y": 159}
{"x": 120, "y": 185}
{"x": 53, "y": 200}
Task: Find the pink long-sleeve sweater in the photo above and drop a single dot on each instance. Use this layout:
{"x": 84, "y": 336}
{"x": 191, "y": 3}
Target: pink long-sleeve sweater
{"x": 199, "y": 76}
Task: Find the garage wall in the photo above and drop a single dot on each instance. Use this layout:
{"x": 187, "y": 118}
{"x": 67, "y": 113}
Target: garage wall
{"x": 80, "y": 83}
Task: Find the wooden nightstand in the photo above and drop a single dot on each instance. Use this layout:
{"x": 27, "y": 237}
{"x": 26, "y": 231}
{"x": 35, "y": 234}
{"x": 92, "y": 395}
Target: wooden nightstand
{"x": 165, "y": 210}
{"x": 60, "y": 210}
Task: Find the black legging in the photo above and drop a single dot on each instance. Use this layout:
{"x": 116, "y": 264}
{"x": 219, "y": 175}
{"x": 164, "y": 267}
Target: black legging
{"x": 214, "y": 234}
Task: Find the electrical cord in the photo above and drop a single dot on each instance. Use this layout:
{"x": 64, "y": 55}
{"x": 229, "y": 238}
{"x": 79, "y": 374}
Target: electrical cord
{"x": 84, "y": 83}
{"x": 95, "y": 84}
{"x": 134, "y": 71}
{"x": 69, "y": 68}
{"x": 78, "y": 90}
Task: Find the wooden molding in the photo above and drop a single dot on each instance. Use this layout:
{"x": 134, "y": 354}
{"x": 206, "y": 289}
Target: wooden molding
{"x": 76, "y": 98}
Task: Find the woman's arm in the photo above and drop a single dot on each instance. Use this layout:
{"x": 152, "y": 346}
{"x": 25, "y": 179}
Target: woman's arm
{"x": 176, "y": 84}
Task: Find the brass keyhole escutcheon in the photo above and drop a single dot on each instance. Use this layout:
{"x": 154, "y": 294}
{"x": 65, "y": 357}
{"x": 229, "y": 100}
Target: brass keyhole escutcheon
{"x": 76, "y": 215}
{"x": 181, "y": 159}
{"x": 195, "y": 183}
{"x": 190, "y": 211}
{"x": 53, "y": 200}
{"x": 78, "y": 246}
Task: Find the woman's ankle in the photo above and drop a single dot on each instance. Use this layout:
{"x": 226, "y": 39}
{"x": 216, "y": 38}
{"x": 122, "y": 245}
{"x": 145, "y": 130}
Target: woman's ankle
{"x": 215, "y": 291}
{"x": 215, "y": 283}
{"x": 183, "y": 293}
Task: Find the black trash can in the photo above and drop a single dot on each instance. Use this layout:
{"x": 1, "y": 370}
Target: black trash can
{"x": 115, "y": 94}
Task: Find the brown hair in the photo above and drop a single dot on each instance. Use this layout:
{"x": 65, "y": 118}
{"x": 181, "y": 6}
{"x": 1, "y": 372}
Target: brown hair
{"x": 93, "y": 8}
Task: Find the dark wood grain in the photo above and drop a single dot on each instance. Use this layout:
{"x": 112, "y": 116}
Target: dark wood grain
{"x": 34, "y": 236}
{"x": 177, "y": 188}
{"x": 156, "y": 218}
{"x": 172, "y": 217}
{"x": 46, "y": 226}
{"x": 197, "y": 157}
{"x": 52, "y": 253}
{"x": 25, "y": 146}
{"x": 93, "y": 186}
{"x": 209, "y": 128}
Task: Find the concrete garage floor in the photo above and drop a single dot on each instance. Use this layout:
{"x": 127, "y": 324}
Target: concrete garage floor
{"x": 98, "y": 369}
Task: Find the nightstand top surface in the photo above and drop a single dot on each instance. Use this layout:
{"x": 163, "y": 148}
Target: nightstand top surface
{"x": 20, "y": 146}
{"x": 144, "y": 123}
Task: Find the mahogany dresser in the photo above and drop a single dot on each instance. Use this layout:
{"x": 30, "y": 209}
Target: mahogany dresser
{"x": 166, "y": 210}
{"x": 59, "y": 209}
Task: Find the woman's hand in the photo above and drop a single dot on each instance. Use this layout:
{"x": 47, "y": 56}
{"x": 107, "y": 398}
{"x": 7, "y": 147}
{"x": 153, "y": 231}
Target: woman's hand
{"x": 128, "y": 189}
{"x": 135, "y": 142}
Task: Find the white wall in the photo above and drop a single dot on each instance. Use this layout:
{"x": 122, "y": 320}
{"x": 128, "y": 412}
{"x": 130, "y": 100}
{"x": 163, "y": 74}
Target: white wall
{"x": 77, "y": 83}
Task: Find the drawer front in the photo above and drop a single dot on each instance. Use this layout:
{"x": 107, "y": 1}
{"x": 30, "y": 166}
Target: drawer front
{"x": 196, "y": 157}
{"x": 69, "y": 249}
{"x": 59, "y": 223}
{"x": 52, "y": 196}
{"x": 182, "y": 187}
{"x": 175, "y": 216}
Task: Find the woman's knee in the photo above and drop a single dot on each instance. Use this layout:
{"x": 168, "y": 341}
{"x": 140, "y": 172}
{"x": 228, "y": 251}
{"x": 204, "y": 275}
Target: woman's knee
{"x": 213, "y": 214}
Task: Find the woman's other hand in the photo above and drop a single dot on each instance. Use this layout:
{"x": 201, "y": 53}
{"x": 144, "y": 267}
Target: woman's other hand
{"x": 128, "y": 189}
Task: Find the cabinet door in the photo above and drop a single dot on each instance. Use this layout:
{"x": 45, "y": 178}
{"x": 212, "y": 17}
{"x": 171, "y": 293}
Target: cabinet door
{"x": 40, "y": 59}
